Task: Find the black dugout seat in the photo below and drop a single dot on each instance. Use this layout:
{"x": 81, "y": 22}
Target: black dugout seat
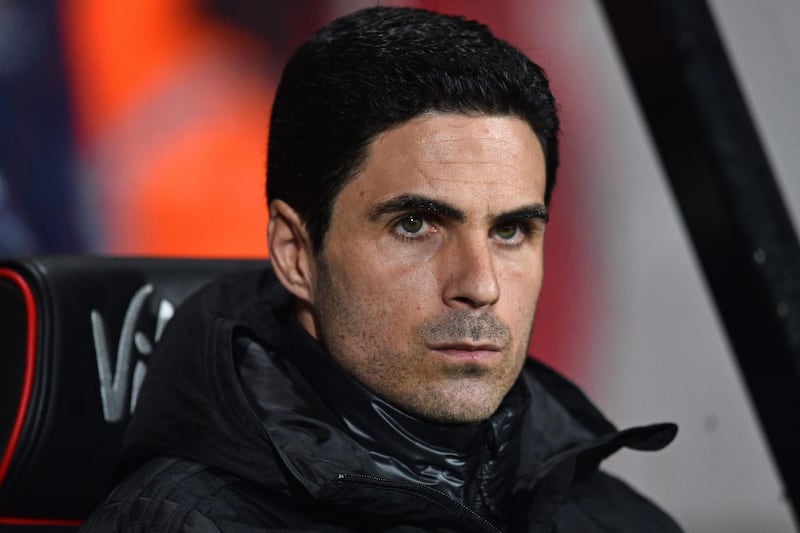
{"x": 75, "y": 337}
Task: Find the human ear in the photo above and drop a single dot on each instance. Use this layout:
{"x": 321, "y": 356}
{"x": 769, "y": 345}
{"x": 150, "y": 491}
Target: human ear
{"x": 290, "y": 250}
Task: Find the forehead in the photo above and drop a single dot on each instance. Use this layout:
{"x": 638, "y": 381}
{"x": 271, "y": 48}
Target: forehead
{"x": 467, "y": 160}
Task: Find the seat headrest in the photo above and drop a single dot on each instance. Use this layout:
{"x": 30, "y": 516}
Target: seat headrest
{"x": 75, "y": 337}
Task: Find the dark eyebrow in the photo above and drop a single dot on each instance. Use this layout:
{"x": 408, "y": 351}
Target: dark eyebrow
{"x": 527, "y": 212}
{"x": 413, "y": 202}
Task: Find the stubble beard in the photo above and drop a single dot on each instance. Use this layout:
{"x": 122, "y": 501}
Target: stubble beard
{"x": 455, "y": 393}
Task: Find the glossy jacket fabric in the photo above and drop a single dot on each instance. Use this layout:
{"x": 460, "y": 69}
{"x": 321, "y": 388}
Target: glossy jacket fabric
{"x": 241, "y": 427}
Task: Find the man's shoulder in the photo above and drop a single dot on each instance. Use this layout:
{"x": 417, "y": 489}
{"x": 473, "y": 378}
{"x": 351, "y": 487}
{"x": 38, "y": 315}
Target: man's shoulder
{"x": 164, "y": 492}
{"x": 594, "y": 499}
{"x": 174, "y": 494}
{"x": 603, "y": 502}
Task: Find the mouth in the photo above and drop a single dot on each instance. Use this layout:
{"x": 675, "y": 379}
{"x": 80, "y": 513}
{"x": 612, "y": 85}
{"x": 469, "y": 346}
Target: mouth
{"x": 482, "y": 352}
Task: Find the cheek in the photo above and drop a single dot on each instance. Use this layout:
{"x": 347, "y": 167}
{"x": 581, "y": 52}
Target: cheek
{"x": 377, "y": 301}
{"x": 520, "y": 288}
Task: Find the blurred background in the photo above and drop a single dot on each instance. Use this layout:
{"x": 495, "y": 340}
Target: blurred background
{"x": 140, "y": 128}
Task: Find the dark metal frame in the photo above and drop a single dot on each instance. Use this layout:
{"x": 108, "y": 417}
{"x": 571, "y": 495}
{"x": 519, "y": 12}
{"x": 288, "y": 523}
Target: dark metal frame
{"x": 731, "y": 205}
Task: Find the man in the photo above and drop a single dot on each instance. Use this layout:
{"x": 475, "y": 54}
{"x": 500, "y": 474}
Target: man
{"x": 376, "y": 378}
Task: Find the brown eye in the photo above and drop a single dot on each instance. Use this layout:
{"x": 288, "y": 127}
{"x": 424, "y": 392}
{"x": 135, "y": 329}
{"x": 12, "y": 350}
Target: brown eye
{"x": 411, "y": 224}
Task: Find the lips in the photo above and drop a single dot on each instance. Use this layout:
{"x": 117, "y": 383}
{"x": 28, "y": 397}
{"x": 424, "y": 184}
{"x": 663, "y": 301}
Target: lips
{"x": 468, "y": 351}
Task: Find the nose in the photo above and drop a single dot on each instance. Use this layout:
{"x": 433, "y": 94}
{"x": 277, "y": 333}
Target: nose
{"x": 470, "y": 277}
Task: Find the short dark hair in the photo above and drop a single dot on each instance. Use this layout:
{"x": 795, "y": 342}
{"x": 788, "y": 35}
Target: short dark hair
{"x": 380, "y": 67}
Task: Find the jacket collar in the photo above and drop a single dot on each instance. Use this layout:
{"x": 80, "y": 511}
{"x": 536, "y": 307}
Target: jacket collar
{"x": 455, "y": 459}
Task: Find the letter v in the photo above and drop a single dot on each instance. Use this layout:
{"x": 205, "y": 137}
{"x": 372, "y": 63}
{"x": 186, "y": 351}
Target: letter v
{"x": 114, "y": 391}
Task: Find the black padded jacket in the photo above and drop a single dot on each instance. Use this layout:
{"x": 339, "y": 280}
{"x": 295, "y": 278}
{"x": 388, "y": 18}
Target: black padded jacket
{"x": 239, "y": 427}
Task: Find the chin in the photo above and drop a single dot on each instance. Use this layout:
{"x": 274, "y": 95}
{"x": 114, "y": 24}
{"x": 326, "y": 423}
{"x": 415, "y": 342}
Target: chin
{"x": 471, "y": 415}
{"x": 461, "y": 407}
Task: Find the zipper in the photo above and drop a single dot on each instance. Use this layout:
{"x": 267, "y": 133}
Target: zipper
{"x": 405, "y": 485}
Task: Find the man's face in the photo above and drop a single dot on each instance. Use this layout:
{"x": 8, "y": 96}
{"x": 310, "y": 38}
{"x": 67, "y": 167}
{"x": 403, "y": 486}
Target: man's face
{"x": 428, "y": 279}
